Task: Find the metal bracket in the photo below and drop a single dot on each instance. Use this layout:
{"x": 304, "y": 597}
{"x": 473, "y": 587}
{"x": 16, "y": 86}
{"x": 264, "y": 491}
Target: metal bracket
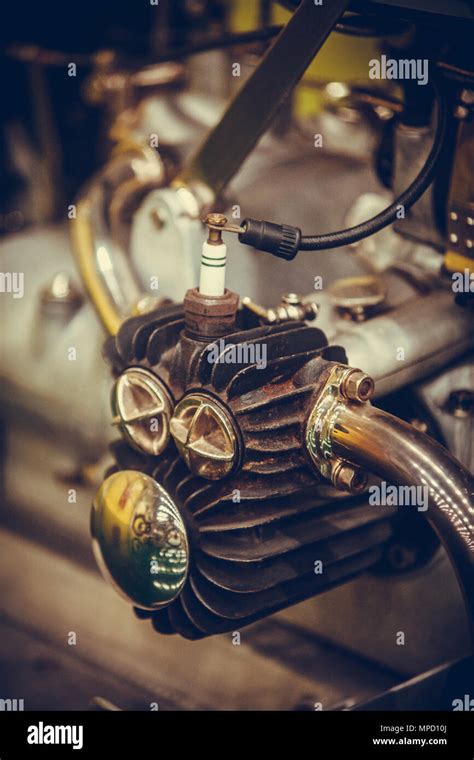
{"x": 258, "y": 100}
{"x": 344, "y": 385}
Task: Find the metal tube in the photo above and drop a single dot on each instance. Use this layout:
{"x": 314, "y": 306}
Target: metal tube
{"x": 103, "y": 263}
{"x": 397, "y": 452}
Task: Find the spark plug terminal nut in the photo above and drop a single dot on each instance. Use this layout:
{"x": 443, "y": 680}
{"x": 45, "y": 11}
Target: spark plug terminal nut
{"x": 215, "y": 224}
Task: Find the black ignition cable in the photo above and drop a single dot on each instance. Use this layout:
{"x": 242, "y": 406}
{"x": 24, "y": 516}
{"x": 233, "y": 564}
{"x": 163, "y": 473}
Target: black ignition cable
{"x": 285, "y": 241}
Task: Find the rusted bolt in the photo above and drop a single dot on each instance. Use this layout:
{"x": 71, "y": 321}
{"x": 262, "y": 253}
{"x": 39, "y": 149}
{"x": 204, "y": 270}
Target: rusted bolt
{"x": 357, "y": 386}
{"x": 346, "y": 477}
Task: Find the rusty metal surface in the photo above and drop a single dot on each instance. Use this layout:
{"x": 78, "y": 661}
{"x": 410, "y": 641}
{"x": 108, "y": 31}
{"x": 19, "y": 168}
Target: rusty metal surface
{"x": 209, "y": 317}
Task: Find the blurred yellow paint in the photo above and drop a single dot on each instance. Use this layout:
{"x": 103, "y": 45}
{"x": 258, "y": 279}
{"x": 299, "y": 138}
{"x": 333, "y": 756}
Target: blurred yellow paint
{"x": 342, "y": 58}
{"x": 244, "y": 15}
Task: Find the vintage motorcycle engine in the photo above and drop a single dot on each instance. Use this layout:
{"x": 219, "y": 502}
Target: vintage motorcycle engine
{"x": 254, "y": 518}
{"x": 236, "y": 356}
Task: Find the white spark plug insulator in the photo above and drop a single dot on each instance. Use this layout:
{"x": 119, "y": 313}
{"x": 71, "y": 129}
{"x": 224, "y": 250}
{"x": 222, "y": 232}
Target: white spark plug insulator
{"x": 212, "y": 277}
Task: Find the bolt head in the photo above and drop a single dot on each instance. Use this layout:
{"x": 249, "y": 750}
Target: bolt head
{"x": 357, "y": 386}
{"x": 217, "y": 220}
{"x": 467, "y": 97}
{"x": 347, "y": 477}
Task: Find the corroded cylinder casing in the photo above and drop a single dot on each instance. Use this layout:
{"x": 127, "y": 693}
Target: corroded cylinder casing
{"x": 209, "y": 317}
{"x": 259, "y": 517}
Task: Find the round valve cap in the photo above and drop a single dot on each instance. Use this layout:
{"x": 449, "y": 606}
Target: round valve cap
{"x": 139, "y": 539}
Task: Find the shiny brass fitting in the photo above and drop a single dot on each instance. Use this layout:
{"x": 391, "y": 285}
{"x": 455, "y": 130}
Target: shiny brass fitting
{"x": 345, "y": 386}
{"x": 216, "y": 224}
